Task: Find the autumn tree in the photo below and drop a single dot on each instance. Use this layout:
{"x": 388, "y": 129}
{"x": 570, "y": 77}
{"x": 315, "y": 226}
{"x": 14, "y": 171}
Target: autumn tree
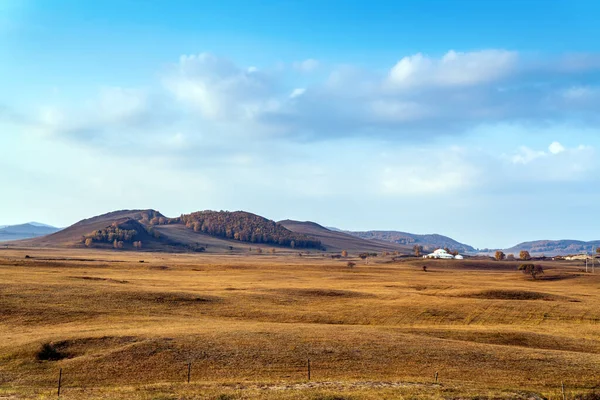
{"x": 344, "y": 253}
{"x": 499, "y": 255}
{"x": 531, "y": 269}
{"x": 524, "y": 255}
{"x": 510, "y": 257}
{"x": 89, "y": 242}
{"x": 418, "y": 249}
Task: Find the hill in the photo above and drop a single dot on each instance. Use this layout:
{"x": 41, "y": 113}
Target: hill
{"x": 429, "y": 242}
{"x": 245, "y": 227}
{"x": 24, "y": 231}
{"x": 337, "y": 240}
{"x": 555, "y": 247}
{"x": 210, "y": 231}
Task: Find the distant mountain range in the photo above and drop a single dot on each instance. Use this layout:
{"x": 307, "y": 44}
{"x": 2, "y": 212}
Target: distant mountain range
{"x": 429, "y": 242}
{"x": 25, "y": 231}
{"x": 237, "y": 231}
{"x": 554, "y": 247}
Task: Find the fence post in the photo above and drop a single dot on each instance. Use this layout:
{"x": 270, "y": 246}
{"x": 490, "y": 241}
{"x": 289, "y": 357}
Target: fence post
{"x": 59, "y": 382}
{"x": 308, "y": 369}
{"x": 562, "y": 384}
{"x": 436, "y": 377}
{"x": 189, "y": 371}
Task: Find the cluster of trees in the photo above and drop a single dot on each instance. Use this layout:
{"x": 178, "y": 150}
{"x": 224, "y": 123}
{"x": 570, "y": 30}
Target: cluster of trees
{"x": 112, "y": 234}
{"x": 245, "y": 227}
{"x": 523, "y": 255}
{"x": 152, "y": 217}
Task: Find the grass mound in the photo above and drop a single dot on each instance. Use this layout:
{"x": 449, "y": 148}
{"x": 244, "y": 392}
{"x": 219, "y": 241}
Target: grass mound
{"x": 323, "y": 293}
{"x": 512, "y": 295}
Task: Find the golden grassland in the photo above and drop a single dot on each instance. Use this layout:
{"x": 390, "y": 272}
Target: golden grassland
{"x": 248, "y": 324}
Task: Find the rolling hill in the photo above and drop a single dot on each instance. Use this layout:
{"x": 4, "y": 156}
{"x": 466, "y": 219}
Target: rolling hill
{"x": 211, "y": 231}
{"x": 336, "y": 240}
{"x": 429, "y": 242}
{"x": 555, "y": 247}
{"x": 24, "y": 231}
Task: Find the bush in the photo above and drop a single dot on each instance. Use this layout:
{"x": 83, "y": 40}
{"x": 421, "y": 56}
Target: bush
{"x": 49, "y": 352}
{"x": 351, "y": 264}
{"x": 531, "y": 269}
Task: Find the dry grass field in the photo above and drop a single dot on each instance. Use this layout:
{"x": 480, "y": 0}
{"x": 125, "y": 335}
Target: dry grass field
{"x": 123, "y": 328}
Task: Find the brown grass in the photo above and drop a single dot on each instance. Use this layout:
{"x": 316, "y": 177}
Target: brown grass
{"x": 249, "y": 323}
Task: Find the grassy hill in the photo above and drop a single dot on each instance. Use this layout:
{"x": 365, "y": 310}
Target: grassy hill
{"x": 201, "y": 231}
{"x": 555, "y": 247}
{"x": 337, "y": 241}
{"x": 429, "y": 242}
{"x": 122, "y": 329}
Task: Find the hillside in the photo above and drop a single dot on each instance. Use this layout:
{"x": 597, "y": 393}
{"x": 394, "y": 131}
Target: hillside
{"x": 25, "y": 231}
{"x": 245, "y": 227}
{"x": 555, "y": 247}
{"x": 429, "y": 242}
{"x": 337, "y": 240}
{"x": 209, "y": 231}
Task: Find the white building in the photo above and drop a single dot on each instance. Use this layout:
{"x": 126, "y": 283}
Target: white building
{"x": 441, "y": 253}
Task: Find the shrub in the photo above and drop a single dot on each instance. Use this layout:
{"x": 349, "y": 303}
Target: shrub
{"x": 351, "y": 264}
{"x": 531, "y": 269}
{"x": 49, "y": 352}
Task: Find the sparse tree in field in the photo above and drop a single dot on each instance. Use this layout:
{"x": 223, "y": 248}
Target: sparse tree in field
{"x": 89, "y": 242}
{"x": 499, "y": 255}
{"x": 116, "y": 244}
{"x": 351, "y": 264}
{"x": 293, "y": 244}
{"x": 424, "y": 268}
{"x": 524, "y": 255}
{"x": 273, "y": 251}
{"x": 510, "y": 257}
{"x": 418, "y": 250}
{"x": 531, "y": 269}
{"x": 259, "y": 250}
{"x": 344, "y": 253}
{"x": 363, "y": 256}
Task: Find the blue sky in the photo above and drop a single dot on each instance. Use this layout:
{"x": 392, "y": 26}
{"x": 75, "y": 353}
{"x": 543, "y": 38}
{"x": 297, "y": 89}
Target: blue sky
{"x": 474, "y": 119}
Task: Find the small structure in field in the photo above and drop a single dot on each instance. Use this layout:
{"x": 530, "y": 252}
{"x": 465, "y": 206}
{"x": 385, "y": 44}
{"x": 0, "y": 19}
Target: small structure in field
{"x": 443, "y": 254}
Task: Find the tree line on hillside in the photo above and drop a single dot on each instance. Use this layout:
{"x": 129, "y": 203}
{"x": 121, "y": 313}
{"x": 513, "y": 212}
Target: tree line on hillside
{"x": 245, "y": 227}
{"x": 118, "y": 235}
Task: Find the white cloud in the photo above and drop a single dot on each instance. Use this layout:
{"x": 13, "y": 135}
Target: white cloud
{"x": 558, "y": 164}
{"x": 308, "y": 65}
{"x": 445, "y": 170}
{"x": 453, "y": 69}
{"x": 297, "y": 92}
{"x": 419, "y": 98}
{"x": 556, "y": 148}
{"x": 219, "y": 89}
